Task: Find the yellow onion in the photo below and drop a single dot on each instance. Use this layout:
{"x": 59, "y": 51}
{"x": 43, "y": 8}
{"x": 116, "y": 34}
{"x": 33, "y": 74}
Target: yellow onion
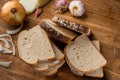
{"x": 13, "y": 13}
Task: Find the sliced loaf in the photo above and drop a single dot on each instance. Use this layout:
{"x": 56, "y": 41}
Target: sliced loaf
{"x": 44, "y": 66}
{"x": 83, "y": 56}
{"x": 34, "y": 45}
{"x": 52, "y": 69}
{"x": 95, "y": 73}
{"x": 59, "y": 33}
{"x": 98, "y": 72}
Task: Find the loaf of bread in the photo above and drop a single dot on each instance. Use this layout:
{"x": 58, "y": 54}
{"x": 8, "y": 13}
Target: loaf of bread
{"x": 71, "y": 25}
{"x": 34, "y": 46}
{"x": 82, "y": 56}
{"x": 57, "y": 32}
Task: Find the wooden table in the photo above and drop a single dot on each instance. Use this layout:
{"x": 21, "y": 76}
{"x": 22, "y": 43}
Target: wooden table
{"x": 102, "y": 17}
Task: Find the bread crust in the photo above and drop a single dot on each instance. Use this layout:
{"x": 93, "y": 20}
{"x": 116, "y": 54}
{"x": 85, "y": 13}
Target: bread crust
{"x": 71, "y": 25}
{"x": 52, "y": 69}
{"x": 73, "y": 69}
{"x": 96, "y": 76}
{"x": 55, "y": 34}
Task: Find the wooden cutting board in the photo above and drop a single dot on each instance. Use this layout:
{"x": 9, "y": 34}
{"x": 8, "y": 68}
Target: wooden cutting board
{"x": 102, "y": 17}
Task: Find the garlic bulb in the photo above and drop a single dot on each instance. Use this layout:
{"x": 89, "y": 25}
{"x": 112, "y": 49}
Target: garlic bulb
{"x": 76, "y": 8}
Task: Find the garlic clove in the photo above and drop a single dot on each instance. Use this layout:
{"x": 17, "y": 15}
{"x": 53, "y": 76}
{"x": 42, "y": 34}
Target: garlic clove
{"x": 77, "y": 8}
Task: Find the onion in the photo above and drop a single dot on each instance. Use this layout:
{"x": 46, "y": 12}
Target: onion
{"x": 5, "y": 64}
{"x": 7, "y": 45}
{"x": 11, "y": 41}
{"x": 13, "y": 13}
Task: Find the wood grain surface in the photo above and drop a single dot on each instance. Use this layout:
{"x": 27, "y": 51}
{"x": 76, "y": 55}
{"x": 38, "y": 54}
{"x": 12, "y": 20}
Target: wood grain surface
{"x": 102, "y": 17}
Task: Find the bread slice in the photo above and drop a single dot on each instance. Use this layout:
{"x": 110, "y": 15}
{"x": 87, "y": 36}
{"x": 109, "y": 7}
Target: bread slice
{"x": 44, "y": 66}
{"x": 71, "y": 25}
{"x": 58, "y": 53}
{"x": 55, "y": 65}
{"x": 98, "y": 72}
{"x": 52, "y": 69}
{"x": 73, "y": 69}
{"x": 59, "y": 33}
{"x": 83, "y": 56}
{"x": 95, "y": 73}
{"x": 34, "y": 46}
{"x": 96, "y": 43}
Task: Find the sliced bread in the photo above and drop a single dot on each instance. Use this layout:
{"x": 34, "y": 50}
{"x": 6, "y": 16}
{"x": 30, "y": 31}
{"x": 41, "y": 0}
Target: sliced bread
{"x": 96, "y": 43}
{"x": 52, "y": 69}
{"x": 44, "y": 66}
{"x": 53, "y": 66}
{"x": 59, "y": 33}
{"x": 71, "y": 25}
{"x": 34, "y": 45}
{"x": 98, "y": 72}
{"x": 95, "y": 73}
{"x": 83, "y": 56}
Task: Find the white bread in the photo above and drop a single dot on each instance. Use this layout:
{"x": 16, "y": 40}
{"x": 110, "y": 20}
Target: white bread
{"x": 96, "y": 43}
{"x": 98, "y": 72}
{"x": 58, "y": 53}
{"x": 34, "y": 46}
{"x": 57, "y": 32}
{"x": 83, "y": 56}
{"x": 95, "y": 73}
{"x": 52, "y": 69}
{"x": 44, "y": 66}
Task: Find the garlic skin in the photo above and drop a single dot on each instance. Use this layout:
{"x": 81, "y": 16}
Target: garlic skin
{"x": 61, "y": 6}
{"x": 77, "y": 8}
{"x": 60, "y": 3}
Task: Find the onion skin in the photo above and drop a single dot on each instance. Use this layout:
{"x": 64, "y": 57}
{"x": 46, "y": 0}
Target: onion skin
{"x": 13, "y": 13}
